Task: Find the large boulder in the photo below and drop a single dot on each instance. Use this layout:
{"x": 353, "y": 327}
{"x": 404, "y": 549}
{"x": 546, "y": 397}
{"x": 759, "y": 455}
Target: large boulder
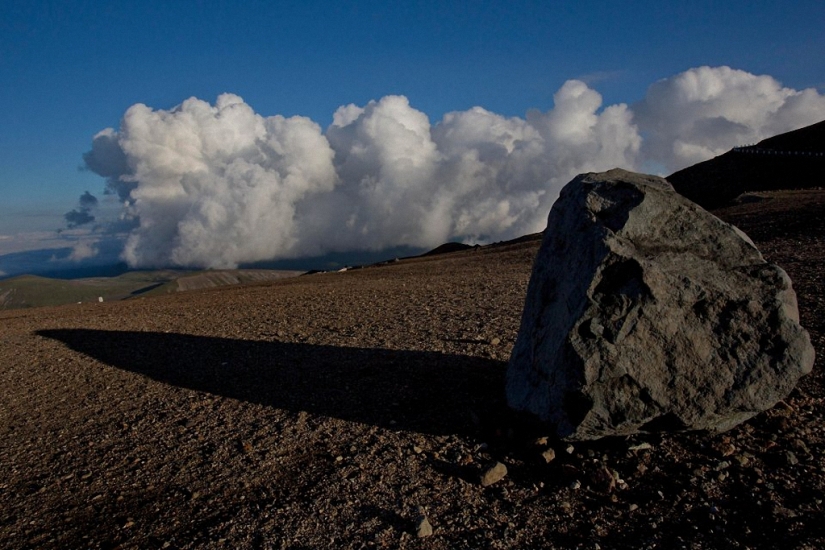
{"x": 646, "y": 313}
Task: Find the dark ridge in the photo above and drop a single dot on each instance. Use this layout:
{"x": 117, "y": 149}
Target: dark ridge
{"x": 447, "y": 248}
{"x": 523, "y": 239}
{"x": 794, "y": 160}
{"x": 809, "y": 139}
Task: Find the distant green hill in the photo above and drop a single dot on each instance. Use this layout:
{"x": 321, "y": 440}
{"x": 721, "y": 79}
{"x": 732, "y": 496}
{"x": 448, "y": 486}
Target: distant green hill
{"x": 27, "y": 291}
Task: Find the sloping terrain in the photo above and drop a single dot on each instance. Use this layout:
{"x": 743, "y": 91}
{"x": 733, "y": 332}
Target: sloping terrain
{"x": 331, "y": 410}
{"x": 222, "y": 277}
{"x": 794, "y": 160}
{"x": 34, "y": 291}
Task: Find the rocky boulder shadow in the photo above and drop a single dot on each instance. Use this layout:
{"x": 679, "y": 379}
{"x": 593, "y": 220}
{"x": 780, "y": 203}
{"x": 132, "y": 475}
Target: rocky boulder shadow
{"x": 425, "y": 392}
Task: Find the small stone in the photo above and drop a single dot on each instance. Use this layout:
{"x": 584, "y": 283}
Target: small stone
{"x": 782, "y": 423}
{"x": 569, "y": 470}
{"x": 604, "y": 480}
{"x": 633, "y": 507}
{"x": 783, "y": 512}
{"x": 495, "y": 341}
{"x": 548, "y": 455}
{"x": 570, "y": 449}
{"x": 791, "y": 459}
{"x": 417, "y": 450}
{"x": 493, "y": 474}
{"x": 800, "y": 445}
{"x": 576, "y": 485}
{"x": 727, "y": 450}
{"x": 644, "y": 446}
{"x": 423, "y": 528}
{"x": 541, "y": 442}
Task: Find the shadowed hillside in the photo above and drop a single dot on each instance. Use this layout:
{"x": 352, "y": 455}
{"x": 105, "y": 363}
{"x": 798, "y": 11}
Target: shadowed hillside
{"x": 795, "y": 160}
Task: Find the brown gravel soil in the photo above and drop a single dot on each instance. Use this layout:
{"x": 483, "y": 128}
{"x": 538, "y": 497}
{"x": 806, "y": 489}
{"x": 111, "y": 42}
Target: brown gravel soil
{"x": 339, "y": 410}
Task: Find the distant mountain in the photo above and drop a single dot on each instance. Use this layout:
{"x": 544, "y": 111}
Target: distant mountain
{"x": 794, "y": 160}
{"x": 55, "y": 262}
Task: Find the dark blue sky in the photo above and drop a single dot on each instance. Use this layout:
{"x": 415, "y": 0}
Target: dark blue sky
{"x": 69, "y": 69}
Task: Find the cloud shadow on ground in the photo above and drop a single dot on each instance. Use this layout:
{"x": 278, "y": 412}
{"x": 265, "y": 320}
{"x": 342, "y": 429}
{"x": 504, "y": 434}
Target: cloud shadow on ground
{"x": 427, "y": 392}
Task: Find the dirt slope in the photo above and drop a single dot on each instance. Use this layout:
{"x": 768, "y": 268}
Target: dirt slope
{"x": 323, "y": 411}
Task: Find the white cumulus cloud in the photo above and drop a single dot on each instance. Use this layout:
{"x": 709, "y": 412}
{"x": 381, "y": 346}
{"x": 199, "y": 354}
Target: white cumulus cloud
{"x": 212, "y": 185}
{"x": 218, "y": 185}
{"x": 706, "y": 111}
{"x": 83, "y": 250}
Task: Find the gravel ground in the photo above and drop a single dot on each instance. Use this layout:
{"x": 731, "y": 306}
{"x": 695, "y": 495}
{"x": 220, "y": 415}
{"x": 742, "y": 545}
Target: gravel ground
{"x": 340, "y": 410}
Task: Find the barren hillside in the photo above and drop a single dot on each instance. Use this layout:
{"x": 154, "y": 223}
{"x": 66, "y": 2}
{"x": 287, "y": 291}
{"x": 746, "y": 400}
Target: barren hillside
{"x": 331, "y": 410}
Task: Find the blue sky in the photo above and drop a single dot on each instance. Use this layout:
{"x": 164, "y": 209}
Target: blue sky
{"x": 70, "y": 69}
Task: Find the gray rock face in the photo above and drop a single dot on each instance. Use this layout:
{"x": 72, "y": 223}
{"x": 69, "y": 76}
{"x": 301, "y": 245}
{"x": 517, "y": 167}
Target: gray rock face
{"x": 646, "y": 313}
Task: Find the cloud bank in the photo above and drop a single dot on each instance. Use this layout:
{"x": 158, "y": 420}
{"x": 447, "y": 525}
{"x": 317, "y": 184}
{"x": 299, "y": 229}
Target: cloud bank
{"x": 217, "y": 185}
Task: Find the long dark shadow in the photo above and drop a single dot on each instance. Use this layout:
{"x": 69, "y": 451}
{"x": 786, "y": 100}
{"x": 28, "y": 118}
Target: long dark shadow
{"x": 419, "y": 391}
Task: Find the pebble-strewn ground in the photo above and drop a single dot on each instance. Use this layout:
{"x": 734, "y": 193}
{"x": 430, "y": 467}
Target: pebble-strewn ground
{"x": 335, "y": 410}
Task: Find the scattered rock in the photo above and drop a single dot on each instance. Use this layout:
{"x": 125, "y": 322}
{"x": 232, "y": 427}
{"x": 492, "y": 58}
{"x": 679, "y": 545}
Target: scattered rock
{"x": 800, "y": 446}
{"x": 781, "y": 423}
{"x": 742, "y": 460}
{"x": 603, "y": 480}
{"x": 728, "y": 450}
{"x": 569, "y": 470}
{"x": 645, "y": 313}
{"x": 548, "y": 455}
{"x": 721, "y": 465}
{"x": 493, "y": 474}
{"x": 782, "y": 512}
{"x": 423, "y": 528}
